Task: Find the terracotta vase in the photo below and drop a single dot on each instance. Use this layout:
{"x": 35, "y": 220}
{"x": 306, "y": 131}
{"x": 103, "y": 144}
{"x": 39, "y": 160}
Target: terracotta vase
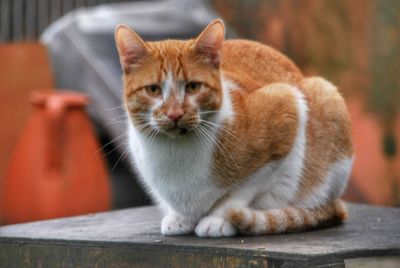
{"x": 56, "y": 168}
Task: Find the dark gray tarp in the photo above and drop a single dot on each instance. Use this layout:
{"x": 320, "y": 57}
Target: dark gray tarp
{"x": 84, "y": 56}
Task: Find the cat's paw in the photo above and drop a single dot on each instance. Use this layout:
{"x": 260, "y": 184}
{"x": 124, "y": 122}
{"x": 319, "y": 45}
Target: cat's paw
{"x": 173, "y": 224}
{"x": 212, "y": 226}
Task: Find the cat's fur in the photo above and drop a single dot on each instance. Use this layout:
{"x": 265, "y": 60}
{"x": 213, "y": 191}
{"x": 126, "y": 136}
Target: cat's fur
{"x": 252, "y": 147}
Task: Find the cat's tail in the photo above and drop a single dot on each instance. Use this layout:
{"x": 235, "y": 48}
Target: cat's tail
{"x": 291, "y": 219}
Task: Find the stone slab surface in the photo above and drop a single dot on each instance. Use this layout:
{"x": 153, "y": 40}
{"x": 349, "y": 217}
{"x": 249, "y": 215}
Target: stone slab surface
{"x": 131, "y": 238}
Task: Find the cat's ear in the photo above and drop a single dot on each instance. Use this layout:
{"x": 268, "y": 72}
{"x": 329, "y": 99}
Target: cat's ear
{"x": 131, "y": 48}
{"x": 210, "y": 41}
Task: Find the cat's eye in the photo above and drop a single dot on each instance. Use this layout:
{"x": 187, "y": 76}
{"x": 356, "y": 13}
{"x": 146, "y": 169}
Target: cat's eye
{"x": 153, "y": 90}
{"x": 192, "y": 87}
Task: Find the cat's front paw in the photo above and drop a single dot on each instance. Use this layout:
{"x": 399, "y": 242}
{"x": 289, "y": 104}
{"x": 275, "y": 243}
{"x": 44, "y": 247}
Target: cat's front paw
{"x": 173, "y": 224}
{"x": 212, "y": 226}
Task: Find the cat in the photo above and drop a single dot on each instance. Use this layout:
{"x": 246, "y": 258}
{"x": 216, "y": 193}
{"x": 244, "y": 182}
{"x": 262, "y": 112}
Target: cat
{"x": 230, "y": 138}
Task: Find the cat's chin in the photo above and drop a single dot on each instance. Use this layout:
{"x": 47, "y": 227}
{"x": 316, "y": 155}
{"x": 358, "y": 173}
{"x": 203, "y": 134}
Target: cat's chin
{"x": 177, "y": 132}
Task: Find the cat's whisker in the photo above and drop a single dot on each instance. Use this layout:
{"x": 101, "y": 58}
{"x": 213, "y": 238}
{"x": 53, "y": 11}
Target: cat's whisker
{"x": 220, "y": 144}
{"x": 207, "y": 143}
{"x": 217, "y": 111}
{"x": 119, "y": 159}
{"x": 208, "y": 112}
{"x": 148, "y": 133}
{"x": 117, "y": 122}
{"x": 142, "y": 126}
{"x": 114, "y": 149}
{"x": 221, "y": 148}
{"x": 111, "y": 121}
{"x": 122, "y": 106}
{"x": 154, "y": 135}
{"x": 204, "y": 140}
{"x": 112, "y": 141}
{"x": 120, "y": 116}
{"x": 223, "y": 129}
{"x": 216, "y": 142}
{"x": 115, "y": 119}
{"x": 145, "y": 132}
{"x": 141, "y": 120}
{"x": 217, "y": 128}
{"x": 142, "y": 115}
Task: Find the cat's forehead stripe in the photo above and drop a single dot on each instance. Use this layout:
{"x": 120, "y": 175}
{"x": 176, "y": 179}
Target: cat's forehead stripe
{"x": 170, "y": 60}
{"x": 177, "y": 67}
{"x": 184, "y": 73}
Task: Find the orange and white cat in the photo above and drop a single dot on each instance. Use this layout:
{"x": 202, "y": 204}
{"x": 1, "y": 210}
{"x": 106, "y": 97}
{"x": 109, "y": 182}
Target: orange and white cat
{"x": 229, "y": 137}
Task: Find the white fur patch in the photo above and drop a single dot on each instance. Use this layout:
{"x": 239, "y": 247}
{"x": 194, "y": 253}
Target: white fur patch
{"x": 171, "y": 87}
{"x": 228, "y": 85}
{"x": 333, "y": 185}
{"x": 168, "y": 86}
{"x": 176, "y": 172}
{"x": 226, "y": 111}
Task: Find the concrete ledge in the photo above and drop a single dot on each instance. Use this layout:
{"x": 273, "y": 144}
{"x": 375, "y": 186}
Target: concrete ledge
{"x": 131, "y": 238}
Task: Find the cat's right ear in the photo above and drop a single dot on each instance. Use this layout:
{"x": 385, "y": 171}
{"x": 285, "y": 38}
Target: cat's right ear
{"x": 131, "y": 48}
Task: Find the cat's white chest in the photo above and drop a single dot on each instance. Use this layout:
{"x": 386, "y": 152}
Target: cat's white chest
{"x": 177, "y": 173}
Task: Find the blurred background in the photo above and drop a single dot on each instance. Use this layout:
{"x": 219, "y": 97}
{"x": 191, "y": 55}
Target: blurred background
{"x": 49, "y": 46}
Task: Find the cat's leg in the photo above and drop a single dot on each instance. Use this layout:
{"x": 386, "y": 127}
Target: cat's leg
{"x": 184, "y": 210}
{"x": 173, "y": 222}
{"x": 176, "y": 224}
{"x": 182, "y": 218}
{"x": 215, "y": 224}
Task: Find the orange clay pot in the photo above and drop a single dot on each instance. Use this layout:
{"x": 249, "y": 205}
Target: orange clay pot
{"x": 56, "y": 169}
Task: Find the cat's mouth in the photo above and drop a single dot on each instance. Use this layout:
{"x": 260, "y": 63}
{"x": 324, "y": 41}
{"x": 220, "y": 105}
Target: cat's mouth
{"x": 177, "y": 131}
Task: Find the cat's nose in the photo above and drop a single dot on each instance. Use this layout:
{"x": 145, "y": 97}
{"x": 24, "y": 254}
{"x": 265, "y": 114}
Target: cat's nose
{"x": 175, "y": 114}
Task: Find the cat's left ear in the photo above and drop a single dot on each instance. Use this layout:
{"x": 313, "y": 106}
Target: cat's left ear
{"x": 209, "y": 42}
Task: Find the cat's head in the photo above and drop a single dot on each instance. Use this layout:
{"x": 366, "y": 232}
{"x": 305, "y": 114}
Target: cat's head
{"x": 171, "y": 86}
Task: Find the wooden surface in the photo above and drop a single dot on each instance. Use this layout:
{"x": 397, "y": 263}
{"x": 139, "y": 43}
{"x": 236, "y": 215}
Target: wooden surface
{"x": 131, "y": 237}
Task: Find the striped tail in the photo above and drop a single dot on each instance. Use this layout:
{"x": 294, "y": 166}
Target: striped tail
{"x": 291, "y": 219}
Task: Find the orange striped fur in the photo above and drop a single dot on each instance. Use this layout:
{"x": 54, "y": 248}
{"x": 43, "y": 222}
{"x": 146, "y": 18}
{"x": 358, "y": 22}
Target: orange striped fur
{"x": 229, "y": 136}
{"x": 289, "y": 219}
